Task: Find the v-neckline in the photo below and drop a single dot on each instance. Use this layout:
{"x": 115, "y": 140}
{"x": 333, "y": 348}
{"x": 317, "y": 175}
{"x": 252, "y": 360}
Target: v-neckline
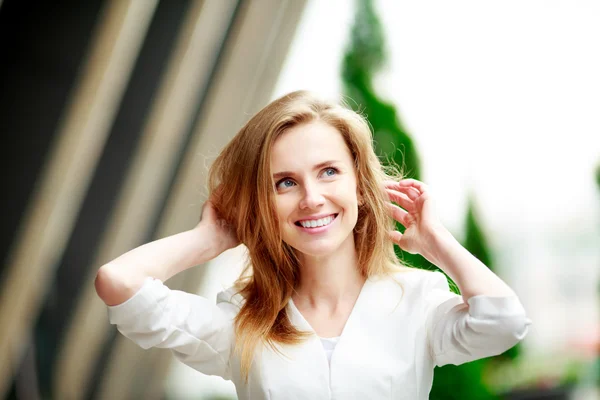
{"x": 309, "y": 327}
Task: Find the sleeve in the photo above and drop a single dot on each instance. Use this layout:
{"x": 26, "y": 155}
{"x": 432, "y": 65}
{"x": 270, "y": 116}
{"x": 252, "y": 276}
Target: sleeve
{"x": 198, "y": 332}
{"x": 459, "y": 333}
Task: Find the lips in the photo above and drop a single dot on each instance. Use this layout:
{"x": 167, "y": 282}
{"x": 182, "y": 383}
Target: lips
{"x": 317, "y": 221}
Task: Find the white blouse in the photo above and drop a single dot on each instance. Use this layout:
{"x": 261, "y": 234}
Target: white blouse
{"x": 400, "y": 328}
{"x": 329, "y": 346}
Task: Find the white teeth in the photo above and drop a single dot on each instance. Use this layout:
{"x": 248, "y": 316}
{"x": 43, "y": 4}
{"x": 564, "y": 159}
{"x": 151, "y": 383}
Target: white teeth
{"x": 317, "y": 222}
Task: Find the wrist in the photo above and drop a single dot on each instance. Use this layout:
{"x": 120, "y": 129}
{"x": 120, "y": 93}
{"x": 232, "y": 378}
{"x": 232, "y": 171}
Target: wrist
{"x": 439, "y": 242}
{"x": 208, "y": 244}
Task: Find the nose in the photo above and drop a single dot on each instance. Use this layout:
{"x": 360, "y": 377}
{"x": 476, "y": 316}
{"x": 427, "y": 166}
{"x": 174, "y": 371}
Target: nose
{"x": 312, "y": 196}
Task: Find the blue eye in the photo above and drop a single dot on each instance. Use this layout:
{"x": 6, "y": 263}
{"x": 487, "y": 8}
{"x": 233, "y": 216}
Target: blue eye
{"x": 284, "y": 184}
{"x": 330, "y": 171}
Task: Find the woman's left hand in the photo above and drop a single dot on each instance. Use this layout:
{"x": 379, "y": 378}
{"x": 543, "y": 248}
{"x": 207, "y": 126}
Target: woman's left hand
{"x": 417, "y": 215}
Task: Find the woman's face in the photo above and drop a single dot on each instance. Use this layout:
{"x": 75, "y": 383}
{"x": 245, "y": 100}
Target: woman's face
{"x": 316, "y": 191}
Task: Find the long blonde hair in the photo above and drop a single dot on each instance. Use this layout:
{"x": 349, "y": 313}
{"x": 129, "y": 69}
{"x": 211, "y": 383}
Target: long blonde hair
{"x": 245, "y": 198}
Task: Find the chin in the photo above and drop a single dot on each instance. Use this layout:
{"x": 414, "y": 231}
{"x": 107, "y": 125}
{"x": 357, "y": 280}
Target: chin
{"x": 316, "y": 252}
{"x": 318, "y": 249}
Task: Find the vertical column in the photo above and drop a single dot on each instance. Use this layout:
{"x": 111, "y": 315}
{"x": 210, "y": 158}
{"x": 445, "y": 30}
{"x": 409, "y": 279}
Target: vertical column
{"x": 147, "y": 181}
{"x": 52, "y": 212}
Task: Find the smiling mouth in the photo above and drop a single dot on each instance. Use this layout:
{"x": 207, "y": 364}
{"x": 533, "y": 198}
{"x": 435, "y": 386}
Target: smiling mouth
{"x": 317, "y": 223}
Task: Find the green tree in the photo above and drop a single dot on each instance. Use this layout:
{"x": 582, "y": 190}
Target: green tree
{"x": 475, "y": 239}
{"x": 477, "y": 244}
{"x": 363, "y": 60}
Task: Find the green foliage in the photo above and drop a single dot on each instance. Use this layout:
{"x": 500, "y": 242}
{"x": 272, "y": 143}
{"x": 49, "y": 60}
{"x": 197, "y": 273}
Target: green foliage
{"x": 598, "y": 175}
{"x": 460, "y": 382}
{"x": 466, "y": 381}
{"x": 475, "y": 240}
{"x": 364, "y": 58}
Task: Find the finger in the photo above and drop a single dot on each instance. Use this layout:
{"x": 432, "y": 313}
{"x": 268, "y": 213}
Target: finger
{"x": 395, "y": 236}
{"x": 420, "y": 186}
{"x": 411, "y": 192}
{"x": 404, "y": 183}
{"x": 401, "y": 199}
{"x": 398, "y": 214}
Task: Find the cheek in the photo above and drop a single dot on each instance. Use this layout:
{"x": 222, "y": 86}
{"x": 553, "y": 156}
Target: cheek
{"x": 348, "y": 192}
{"x": 283, "y": 208}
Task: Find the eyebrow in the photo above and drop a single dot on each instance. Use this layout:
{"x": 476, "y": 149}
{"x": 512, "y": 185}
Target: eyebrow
{"x": 318, "y": 166}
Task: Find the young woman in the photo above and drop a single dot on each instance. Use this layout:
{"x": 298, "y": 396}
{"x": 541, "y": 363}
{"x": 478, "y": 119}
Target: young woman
{"x": 324, "y": 309}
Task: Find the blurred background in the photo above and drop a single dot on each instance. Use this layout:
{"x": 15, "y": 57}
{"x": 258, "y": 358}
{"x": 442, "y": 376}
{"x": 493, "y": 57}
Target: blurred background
{"x": 112, "y": 111}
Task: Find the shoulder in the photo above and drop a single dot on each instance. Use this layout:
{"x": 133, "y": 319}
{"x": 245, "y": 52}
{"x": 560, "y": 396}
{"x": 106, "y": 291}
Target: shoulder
{"x": 413, "y": 285}
{"x": 419, "y": 279}
{"x": 406, "y": 291}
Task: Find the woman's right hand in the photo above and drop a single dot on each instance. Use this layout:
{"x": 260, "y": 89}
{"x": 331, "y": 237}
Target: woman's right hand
{"x": 222, "y": 233}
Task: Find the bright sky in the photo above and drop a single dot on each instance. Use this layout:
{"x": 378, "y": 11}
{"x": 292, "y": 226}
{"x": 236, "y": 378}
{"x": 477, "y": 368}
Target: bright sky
{"x": 502, "y": 97}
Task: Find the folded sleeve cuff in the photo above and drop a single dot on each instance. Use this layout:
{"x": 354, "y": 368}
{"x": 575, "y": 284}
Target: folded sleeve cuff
{"x": 144, "y": 299}
{"x": 486, "y": 307}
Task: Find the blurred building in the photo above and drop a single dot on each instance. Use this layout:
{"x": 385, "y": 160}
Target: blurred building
{"x": 111, "y": 112}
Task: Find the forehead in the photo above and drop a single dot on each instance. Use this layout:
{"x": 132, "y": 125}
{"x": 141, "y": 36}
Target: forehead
{"x": 307, "y": 145}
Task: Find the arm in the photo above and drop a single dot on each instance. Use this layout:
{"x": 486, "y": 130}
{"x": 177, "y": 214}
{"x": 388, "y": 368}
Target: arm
{"x": 425, "y": 235}
{"x": 118, "y": 280}
{"x": 459, "y": 331}
{"x": 489, "y": 319}
{"x": 471, "y": 275}
{"x": 198, "y": 332}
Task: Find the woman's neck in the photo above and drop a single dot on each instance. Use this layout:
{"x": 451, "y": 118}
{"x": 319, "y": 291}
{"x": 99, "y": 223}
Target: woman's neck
{"x": 329, "y": 280}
